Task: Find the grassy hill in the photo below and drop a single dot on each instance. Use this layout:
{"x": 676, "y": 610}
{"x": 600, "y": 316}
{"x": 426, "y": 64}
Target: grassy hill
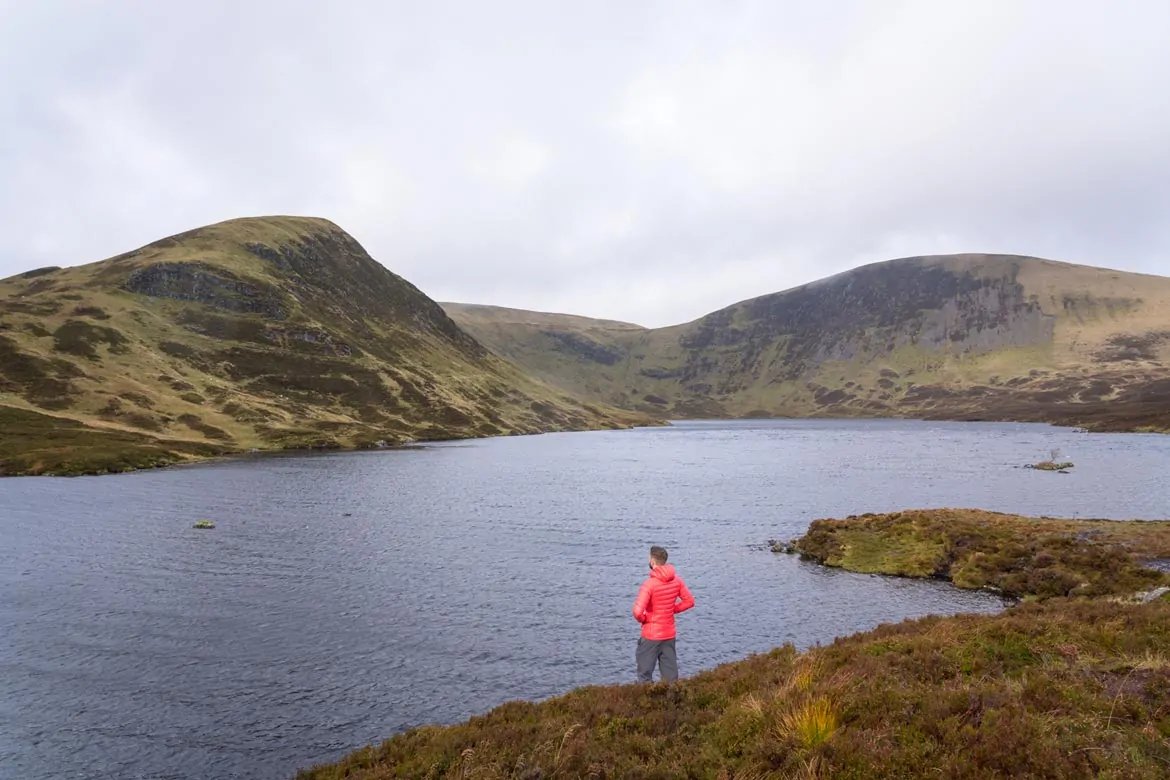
{"x": 265, "y": 333}
{"x": 1056, "y": 687}
{"x": 957, "y": 336}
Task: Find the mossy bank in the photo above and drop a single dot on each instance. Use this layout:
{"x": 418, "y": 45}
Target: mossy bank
{"x": 1021, "y": 557}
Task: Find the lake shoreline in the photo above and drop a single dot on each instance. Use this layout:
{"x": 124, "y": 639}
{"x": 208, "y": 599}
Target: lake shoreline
{"x": 148, "y": 453}
{"x": 164, "y": 453}
{"x": 894, "y": 701}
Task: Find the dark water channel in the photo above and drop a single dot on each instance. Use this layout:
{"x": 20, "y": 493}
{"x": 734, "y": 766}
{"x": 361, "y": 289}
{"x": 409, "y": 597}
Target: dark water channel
{"x": 345, "y": 597}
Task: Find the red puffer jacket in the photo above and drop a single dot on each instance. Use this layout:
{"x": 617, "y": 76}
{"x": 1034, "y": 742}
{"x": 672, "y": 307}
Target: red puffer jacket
{"x": 661, "y": 596}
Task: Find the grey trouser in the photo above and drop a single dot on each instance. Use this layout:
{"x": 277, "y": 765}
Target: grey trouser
{"x": 661, "y": 652}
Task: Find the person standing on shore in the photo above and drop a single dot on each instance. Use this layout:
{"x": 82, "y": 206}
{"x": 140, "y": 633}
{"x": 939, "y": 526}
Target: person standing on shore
{"x": 662, "y": 596}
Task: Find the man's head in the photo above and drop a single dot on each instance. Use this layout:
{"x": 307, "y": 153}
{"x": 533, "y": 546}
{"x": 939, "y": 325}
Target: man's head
{"x": 657, "y": 556}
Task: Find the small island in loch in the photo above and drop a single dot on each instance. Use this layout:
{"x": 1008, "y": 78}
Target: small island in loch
{"x": 1053, "y": 463}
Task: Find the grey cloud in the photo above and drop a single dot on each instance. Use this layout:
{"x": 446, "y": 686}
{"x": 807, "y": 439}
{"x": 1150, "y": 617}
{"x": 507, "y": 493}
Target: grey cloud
{"x": 640, "y": 161}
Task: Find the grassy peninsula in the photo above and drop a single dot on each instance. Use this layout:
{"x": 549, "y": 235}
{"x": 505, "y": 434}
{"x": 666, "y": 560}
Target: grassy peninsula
{"x": 1022, "y": 557}
{"x": 1059, "y": 686}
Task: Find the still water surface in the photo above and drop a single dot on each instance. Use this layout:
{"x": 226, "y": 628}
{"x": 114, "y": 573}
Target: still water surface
{"x": 345, "y": 597}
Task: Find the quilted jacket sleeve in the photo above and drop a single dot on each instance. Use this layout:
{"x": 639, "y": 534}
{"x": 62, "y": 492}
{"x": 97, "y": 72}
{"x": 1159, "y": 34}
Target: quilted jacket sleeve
{"x": 686, "y": 600}
{"x": 643, "y": 601}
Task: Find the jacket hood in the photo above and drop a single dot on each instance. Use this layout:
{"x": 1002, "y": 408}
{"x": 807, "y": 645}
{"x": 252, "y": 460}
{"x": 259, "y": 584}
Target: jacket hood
{"x": 665, "y": 572}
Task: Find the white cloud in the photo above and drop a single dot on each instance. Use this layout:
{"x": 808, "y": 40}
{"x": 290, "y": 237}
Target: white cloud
{"x": 647, "y": 162}
{"x": 512, "y": 164}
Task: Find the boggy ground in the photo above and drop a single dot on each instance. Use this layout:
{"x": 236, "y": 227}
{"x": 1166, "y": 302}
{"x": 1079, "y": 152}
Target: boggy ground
{"x": 1056, "y": 687}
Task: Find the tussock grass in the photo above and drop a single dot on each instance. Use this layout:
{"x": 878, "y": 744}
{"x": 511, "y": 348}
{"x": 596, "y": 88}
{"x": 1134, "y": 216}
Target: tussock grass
{"x": 810, "y": 724}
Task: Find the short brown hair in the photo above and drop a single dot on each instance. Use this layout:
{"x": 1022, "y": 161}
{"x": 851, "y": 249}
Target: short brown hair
{"x": 658, "y": 554}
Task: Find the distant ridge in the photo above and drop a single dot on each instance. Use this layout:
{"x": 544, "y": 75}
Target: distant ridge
{"x": 965, "y": 336}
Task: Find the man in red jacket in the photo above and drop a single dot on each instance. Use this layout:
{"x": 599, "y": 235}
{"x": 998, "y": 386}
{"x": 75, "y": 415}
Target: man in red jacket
{"x": 661, "y": 596}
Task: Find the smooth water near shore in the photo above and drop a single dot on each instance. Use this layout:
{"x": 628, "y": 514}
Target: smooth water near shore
{"x": 342, "y": 598}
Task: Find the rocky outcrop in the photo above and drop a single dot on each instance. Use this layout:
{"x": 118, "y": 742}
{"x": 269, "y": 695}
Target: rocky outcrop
{"x": 863, "y": 315}
{"x": 342, "y": 282}
{"x": 582, "y": 347}
{"x": 206, "y": 284}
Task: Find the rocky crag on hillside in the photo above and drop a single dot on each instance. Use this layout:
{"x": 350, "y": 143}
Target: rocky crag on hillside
{"x": 262, "y": 333}
{"x": 994, "y": 337}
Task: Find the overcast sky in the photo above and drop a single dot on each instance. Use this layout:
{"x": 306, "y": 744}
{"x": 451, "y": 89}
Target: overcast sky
{"x": 646, "y": 161}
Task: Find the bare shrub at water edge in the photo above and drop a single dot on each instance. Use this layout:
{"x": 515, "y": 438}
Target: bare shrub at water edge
{"x": 1054, "y": 463}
